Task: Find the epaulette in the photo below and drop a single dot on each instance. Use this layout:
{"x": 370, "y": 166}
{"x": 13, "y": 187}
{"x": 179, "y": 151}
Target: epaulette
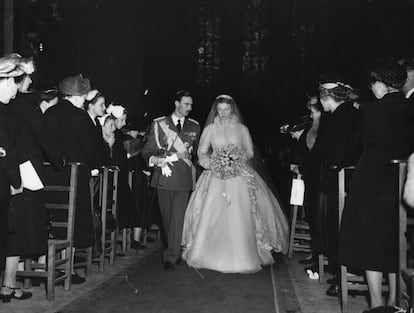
{"x": 158, "y": 118}
{"x": 194, "y": 121}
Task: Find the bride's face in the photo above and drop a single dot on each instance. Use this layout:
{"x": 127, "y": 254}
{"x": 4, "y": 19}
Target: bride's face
{"x": 224, "y": 110}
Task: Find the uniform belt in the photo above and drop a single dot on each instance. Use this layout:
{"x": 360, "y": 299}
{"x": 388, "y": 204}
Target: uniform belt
{"x": 183, "y": 155}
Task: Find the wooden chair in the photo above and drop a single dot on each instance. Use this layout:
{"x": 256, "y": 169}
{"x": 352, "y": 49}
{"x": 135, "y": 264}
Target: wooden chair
{"x": 299, "y": 238}
{"x": 405, "y": 275}
{"x": 59, "y": 253}
{"x": 107, "y": 203}
{"x": 109, "y": 187}
{"x": 84, "y": 256}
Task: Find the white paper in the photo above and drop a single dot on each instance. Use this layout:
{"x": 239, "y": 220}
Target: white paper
{"x": 30, "y": 179}
{"x": 298, "y": 192}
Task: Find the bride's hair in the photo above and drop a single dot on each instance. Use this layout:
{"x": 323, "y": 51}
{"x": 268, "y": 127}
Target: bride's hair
{"x": 223, "y": 99}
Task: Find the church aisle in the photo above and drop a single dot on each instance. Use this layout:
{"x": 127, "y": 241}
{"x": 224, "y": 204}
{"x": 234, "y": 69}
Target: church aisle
{"x": 182, "y": 291}
{"x": 137, "y": 283}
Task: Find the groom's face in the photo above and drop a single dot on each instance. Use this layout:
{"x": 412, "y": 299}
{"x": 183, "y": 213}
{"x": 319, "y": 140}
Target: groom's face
{"x": 184, "y": 106}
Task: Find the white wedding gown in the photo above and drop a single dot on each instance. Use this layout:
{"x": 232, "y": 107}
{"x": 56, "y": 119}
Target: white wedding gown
{"x": 231, "y": 226}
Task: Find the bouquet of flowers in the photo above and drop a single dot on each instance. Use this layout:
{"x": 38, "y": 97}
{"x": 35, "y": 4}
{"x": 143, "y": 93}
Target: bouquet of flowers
{"x": 228, "y": 162}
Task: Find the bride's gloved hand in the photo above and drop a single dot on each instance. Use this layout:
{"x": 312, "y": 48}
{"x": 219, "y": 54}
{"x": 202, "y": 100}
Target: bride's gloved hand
{"x": 205, "y": 163}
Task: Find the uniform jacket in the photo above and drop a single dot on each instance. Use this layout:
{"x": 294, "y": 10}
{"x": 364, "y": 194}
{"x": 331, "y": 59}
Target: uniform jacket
{"x": 182, "y": 174}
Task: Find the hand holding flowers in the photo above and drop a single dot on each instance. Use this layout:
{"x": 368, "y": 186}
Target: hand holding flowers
{"x": 228, "y": 162}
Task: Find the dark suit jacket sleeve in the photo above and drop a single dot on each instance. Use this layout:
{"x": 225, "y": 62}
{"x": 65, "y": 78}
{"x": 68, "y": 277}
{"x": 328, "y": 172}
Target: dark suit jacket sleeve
{"x": 48, "y": 142}
{"x": 85, "y": 138}
{"x": 150, "y": 146}
{"x": 195, "y": 146}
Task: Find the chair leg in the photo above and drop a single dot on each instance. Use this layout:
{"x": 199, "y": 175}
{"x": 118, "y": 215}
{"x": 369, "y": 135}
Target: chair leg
{"x": 113, "y": 248}
{"x": 88, "y": 267}
{"x": 27, "y": 283}
{"x": 411, "y": 306}
{"x": 50, "y": 284}
{"x": 344, "y": 288}
{"x": 321, "y": 268}
{"x": 292, "y": 231}
{"x": 68, "y": 267}
{"x": 145, "y": 236}
{"x": 124, "y": 240}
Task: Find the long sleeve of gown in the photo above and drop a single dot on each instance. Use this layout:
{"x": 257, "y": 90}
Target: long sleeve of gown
{"x": 247, "y": 143}
{"x": 203, "y": 147}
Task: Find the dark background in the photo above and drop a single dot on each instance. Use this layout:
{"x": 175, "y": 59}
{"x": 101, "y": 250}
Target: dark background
{"x": 126, "y": 47}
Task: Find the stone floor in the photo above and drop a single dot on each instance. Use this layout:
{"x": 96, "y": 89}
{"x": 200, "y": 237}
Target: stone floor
{"x": 310, "y": 294}
{"x": 294, "y": 292}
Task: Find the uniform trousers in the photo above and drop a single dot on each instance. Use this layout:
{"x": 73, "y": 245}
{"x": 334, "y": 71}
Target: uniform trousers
{"x": 172, "y": 207}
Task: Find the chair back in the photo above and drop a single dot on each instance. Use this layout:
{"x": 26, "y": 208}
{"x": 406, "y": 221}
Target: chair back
{"x": 60, "y": 199}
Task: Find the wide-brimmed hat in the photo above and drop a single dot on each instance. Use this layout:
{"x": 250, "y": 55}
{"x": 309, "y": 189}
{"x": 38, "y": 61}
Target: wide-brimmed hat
{"x": 13, "y": 65}
{"x": 75, "y": 86}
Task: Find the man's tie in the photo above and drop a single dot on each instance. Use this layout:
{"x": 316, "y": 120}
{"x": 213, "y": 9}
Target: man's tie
{"x": 179, "y": 125}
{"x": 98, "y": 127}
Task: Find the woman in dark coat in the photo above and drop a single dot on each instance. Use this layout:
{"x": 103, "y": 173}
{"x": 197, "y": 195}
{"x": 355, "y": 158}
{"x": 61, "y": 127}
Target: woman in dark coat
{"x": 70, "y": 124}
{"x": 27, "y": 228}
{"x": 9, "y": 170}
{"x": 368, "y": 238}
{"x": 130, "y": 139}
{"x": 126, "y": 214}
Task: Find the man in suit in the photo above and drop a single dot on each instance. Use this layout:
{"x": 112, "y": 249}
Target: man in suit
{"x": 170, "y": 149}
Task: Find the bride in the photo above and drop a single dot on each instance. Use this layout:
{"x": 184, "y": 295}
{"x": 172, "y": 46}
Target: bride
{"x": 233, "y": 222}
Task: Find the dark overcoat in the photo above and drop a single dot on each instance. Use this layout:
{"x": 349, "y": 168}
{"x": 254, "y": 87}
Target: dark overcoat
{"x": 71, "y": 126}
{"x": 368, "y": 238}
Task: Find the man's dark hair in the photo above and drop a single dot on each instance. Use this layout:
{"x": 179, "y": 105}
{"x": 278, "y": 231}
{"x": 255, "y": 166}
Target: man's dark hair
{"x": 182, "y": 93}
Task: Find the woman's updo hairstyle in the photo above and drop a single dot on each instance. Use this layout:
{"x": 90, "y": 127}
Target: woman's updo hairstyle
{"x": 389, "y": 72}
{"x": 334, "y": 86}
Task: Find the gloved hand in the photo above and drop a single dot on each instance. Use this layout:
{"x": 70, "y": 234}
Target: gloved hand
{"x": 171, "y": 159}
{"x": 166, "y": 171}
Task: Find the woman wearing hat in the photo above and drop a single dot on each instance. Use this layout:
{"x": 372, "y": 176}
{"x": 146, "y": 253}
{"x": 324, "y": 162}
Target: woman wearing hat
{"x": 27, "y": 232}
{"x": 368, "y": 238}
{"x": 133, "y": 204}
{"x": 9, "y": 170}
{"x": 339, "y": 150}
{"x": 70, "y": 124}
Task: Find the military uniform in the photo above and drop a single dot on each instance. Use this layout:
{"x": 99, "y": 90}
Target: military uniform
{"x": 173, "y": 191}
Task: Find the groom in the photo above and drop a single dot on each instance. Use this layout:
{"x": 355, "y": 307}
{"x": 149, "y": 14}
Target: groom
{"x": 170, "y": 149}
